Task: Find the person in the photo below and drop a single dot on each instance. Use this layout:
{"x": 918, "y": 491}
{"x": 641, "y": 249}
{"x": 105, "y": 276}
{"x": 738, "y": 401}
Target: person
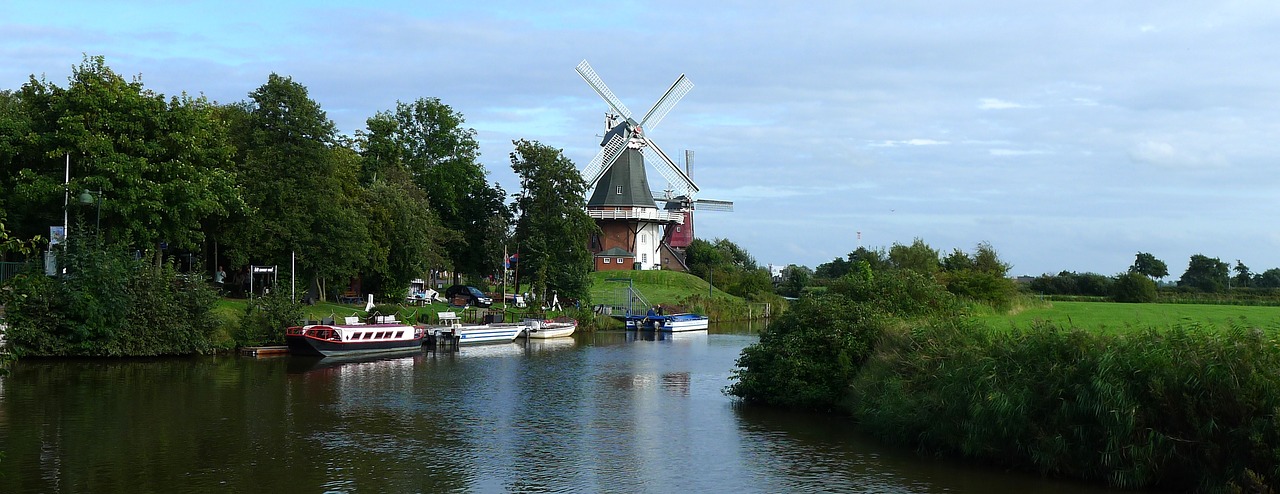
{"x": 219, "y": 276}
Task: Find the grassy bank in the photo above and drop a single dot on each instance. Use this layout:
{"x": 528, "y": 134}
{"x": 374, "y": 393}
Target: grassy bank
{"x": 1148, "y": 396}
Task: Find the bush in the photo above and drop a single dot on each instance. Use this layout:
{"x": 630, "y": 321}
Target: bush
{"x": 265, "y": 319}
{"x": 108, "y": 304}
{"x": 1194, "y": 407}
{"x": 1133, "y": 287}
{"x": 807, "y": 357}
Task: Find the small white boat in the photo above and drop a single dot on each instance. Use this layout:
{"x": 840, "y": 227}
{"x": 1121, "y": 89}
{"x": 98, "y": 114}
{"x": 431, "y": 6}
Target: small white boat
{"x": 672, "y": 322}
{"x": 467, "y": 334}
{"x": 543, "y": 329}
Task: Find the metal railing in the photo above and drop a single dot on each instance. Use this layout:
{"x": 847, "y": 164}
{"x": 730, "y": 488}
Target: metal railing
{"x": 636, "y": 214}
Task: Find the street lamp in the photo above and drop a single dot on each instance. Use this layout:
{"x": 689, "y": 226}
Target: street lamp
{"x": 94, "y": 197}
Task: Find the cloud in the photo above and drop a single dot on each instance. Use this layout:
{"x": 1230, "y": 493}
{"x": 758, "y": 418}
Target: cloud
{"x": 1015, "y": 152}
{"x": 998, "y": 104}
{"x": 908, "y": 142}
{"x": 1165, "y": 154}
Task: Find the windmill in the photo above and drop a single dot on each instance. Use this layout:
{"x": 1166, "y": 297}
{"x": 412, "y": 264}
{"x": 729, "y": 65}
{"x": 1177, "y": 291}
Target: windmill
{"x": 622, "y": 203}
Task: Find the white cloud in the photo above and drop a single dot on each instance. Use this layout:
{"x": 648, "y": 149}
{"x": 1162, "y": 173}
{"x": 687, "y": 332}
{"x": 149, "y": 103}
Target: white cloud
{"x": 1166, "y": 154}
{"x": 1015, "y": 152}
{"x": 908, "y": 142}
{"x": 998, "y": 104}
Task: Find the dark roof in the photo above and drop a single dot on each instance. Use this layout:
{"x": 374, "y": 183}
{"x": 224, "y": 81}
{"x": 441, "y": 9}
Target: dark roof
{"x": 626, "y": 172}
{"x": 615, "y": 252}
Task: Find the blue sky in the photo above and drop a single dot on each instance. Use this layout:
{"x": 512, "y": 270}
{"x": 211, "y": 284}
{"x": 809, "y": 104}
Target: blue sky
{"x": 1069, "y": 135}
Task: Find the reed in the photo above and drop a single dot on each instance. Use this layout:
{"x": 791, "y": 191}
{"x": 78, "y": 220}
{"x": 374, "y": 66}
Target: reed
{"x": 1194, "y": 407}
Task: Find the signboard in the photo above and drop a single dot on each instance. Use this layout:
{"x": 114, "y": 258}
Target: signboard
{"x": 57, "y": 235}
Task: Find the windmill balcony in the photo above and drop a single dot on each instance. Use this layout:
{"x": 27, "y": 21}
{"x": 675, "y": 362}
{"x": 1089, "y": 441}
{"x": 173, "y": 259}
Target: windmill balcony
{"x": 649, "y": 214}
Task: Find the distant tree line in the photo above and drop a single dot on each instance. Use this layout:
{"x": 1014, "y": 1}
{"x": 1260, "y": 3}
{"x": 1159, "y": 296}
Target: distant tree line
{"x": 1203, "y": 275}
{"x": 978, "y": 276}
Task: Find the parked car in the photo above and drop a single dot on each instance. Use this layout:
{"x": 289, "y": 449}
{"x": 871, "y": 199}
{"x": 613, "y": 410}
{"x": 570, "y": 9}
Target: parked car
{"x": 467, "y": 295}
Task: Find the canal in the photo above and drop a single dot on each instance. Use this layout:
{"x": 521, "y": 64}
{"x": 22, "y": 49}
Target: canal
{"x": 606, "y": 412}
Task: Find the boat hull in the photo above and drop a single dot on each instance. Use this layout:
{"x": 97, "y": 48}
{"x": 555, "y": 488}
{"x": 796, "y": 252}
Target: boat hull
{"x": 672, "y": 323}
{"x": 487, "y": 333}
{"x": 541, "y": 330}
{"x": 332, "y": 341}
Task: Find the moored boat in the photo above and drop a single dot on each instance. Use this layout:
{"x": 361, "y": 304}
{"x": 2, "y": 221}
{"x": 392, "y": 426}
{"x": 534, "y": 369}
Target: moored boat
{"x": 328, "y": 340}
{"x": 543, "y": 329}
{"x": 467, "y": 334}
{"x": 671, "y": 322}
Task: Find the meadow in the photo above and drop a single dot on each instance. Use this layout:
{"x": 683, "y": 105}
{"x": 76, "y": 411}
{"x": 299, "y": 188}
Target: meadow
{"x": 1111, "y": 317}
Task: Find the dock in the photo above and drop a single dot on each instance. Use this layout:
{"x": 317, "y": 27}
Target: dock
{"x": 264, "y": 351}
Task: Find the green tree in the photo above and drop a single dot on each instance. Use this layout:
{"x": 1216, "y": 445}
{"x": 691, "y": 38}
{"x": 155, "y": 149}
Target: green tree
{"x": 831, "y": 270}
{"x": 427, "y": 139}
{"x": 794, "y": 280}
{"x": 302, "y": 187}
{"x": 1149, "y": 266}
{"x": 1207, "y": 274}
{"x": 1268, "y": 279}
{"x": 980, "y": 277}
{"x": 160, "y": 165}
{"x": 1134, "y": 287}
{"x": 552, "y": 227}
{"x": 1243, "y": 276}
{"x": 918, "y": 257}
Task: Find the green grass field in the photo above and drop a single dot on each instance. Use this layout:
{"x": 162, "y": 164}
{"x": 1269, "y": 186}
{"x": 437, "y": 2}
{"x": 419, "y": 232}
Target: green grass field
{"x": 658, "y": 287}
{"x": 1111, "y": 317}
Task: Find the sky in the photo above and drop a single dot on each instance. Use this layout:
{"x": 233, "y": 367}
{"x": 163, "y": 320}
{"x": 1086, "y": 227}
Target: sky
{"x": 1068, "y": 135}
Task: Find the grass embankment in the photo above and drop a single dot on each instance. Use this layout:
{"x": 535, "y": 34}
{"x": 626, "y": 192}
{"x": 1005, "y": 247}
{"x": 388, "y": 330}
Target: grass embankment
{"x": 658, "y": 287}
{"x": 681, "y": 292}
{"x": 1149, "y": 396}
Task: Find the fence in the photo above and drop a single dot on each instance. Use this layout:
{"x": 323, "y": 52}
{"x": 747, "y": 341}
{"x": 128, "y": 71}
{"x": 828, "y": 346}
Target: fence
{"x": 11, "y": 269}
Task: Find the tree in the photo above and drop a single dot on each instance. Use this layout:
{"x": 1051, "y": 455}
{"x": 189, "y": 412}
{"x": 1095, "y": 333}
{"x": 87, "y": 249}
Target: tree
{"x": 301, "y": 187}
{"x": 1134, "y": 287}
{"x": 794, "y": 279}
{"x": 831, "y": 270}
{"x": 1268, "y": 279}
{"x": 427, "y": 140}
{"x": 1147, "y": 264}
{"x": 918, "y": 257}
{"x": 1243, "y": 276}
{"x": 552, "y": 227}
{"x": 158, "y": 167}
{"x": 980, "y": 276}
{"x": 1207, "y": 274}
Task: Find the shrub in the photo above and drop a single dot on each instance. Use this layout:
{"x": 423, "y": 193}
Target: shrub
{"x": 1133, "y": 287}
{"x": 107, "y": 304}
{"x": 265, "y": 319}
{"x": 807, "y": 357}
{"x": 1194, "y": 407}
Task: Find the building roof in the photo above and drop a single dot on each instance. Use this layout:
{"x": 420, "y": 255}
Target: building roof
{"x": 626, "y": 174}
{"x": 616, "y": 252}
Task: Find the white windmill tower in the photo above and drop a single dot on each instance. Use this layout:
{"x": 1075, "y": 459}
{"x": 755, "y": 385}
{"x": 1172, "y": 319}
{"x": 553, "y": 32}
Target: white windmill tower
{"x": 622, "y": 204}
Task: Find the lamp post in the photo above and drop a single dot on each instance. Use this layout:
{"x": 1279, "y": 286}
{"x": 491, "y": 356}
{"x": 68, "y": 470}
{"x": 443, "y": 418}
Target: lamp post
{"x": 94, "y": 197}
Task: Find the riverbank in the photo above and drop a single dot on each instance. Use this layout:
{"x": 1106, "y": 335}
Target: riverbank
{"x": 1188, "y": 407}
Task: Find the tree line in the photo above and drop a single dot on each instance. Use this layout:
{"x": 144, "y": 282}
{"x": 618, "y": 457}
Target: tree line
{"x": 269, "y": 179}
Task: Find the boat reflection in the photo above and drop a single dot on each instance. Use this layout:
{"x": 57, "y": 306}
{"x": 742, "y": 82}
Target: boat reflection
{"x": 307, "y": 364}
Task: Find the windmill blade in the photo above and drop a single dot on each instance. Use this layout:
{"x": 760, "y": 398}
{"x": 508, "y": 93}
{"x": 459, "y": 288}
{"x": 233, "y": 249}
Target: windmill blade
{"x": 668, "y": 168}
{"x": 668, "y": 101}
{"x": 593, "y": 80}
{"x": 713, "y": 205}
{"x": 603, "y": 160}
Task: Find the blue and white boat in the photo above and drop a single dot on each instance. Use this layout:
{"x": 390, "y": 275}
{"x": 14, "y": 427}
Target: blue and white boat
{"x": 468, "y": 334}
{"x": 668, "y": 322}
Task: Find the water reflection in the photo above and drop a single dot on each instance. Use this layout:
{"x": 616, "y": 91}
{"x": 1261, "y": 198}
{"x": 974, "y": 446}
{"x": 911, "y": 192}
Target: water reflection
{"x": 598, "y": 412}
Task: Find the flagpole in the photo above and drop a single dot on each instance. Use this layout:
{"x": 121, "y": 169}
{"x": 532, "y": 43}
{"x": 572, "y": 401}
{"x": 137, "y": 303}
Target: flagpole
{"x": 506, "y": 263}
